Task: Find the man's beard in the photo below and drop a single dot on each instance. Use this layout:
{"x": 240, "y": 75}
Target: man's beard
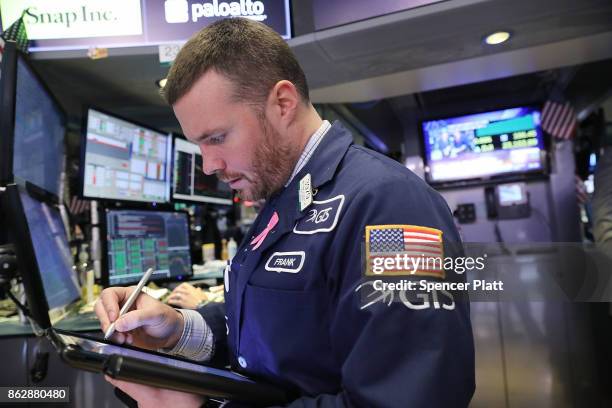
{"x": 274, "y": 160}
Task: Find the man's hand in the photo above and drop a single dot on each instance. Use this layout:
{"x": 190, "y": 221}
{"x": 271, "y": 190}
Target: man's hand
{"x": 148, "y": 397}
{"x": 150, "y": 324}
{"x": 187, "y": 296}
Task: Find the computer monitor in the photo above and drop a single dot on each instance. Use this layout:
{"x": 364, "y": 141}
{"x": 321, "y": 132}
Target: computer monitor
{"x": 512, "y": 194}
{"x": 189, "y": 181}
{"x": 500, "y": 144}
{"x": 33, "y": 128}
{"x": 124, "y": 161}
{"x": 138, "y": 239}
{"x": 52, "y": 252}
{"x": 44, "y": 259}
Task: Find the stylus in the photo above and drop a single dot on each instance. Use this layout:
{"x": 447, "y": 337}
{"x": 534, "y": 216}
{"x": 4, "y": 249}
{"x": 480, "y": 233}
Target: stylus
{"x": 128, "y": 304}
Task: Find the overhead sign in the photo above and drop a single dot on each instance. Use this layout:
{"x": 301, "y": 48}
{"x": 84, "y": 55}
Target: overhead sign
{"x": 82, "y": 24}
{"x": 56, "y": 19}
{"x": 177, "y": 20}
{"x": 332, "y": 13}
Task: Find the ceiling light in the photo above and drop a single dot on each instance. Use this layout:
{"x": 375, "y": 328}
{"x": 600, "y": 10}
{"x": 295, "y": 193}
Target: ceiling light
{"x": 161, "y": 82}
{"x": 497, "y": 37}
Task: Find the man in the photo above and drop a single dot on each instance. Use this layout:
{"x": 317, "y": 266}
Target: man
{"x": 293, "y": 311}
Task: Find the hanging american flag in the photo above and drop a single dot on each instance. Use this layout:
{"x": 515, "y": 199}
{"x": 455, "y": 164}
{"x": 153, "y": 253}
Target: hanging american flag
{"x": 16, "y": 32}
{"x": 404, "y": 250}
{"x": 559, "y": 120}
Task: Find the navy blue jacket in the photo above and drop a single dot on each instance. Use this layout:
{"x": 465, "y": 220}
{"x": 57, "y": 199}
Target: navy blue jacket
{"x": 293, "y": 312}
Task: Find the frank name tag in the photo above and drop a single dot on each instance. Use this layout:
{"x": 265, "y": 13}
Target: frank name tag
{"x": 321, "y": 216}
{"x": 290, "y": 262}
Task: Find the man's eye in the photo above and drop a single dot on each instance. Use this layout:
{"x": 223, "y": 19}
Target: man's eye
{"x": 214, "y": 140}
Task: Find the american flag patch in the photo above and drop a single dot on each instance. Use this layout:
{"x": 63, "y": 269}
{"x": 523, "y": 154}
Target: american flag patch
{"x": 404, "y": 250}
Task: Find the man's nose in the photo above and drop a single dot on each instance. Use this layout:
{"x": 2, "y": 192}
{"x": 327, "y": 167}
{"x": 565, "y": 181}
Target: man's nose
{"x": 211, "y": 163}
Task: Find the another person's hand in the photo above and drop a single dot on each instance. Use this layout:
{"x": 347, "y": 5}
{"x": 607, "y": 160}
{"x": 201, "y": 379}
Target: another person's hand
{"x": 187, "y": 296}
{"x": 148, "y": 396}
{"x": 150, "y": 324}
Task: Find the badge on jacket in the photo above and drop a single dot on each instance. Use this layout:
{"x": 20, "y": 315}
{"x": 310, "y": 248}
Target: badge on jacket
{"x": 290, "y": 262}
{"x": 322, "y": 216}
{"x": 305, "y": 192}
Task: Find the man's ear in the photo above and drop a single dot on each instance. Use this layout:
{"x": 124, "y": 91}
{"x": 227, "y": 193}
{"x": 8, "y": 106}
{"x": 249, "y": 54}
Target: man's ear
{"x": 283, "y": 102}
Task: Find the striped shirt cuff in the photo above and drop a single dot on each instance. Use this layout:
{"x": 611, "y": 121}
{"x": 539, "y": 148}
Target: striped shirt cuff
{"x": 196, "y": 342}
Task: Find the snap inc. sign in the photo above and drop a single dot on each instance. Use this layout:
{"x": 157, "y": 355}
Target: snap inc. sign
{"x": 56, "y": 19}
{"x": 80, "y": 24}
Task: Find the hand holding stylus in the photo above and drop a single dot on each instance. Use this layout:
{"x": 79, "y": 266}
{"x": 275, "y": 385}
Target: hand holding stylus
{"x": 149, "y": 324}
{"x": 127, "y": 305}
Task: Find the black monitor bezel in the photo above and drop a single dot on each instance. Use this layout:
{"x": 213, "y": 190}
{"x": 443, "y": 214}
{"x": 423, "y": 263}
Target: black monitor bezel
{"x": 532, "y": 175}
{"x": 12, "y": 55}
{"x": 176, "y": 136}
{"x": 82, "y": 153}
{"x": 105, "y": 270}
{"x": 8, "y": 94}
{"x": 19, "y": 235}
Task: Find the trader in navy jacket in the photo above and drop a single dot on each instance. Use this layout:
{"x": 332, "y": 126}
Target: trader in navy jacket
{"x": 299, "y": 310}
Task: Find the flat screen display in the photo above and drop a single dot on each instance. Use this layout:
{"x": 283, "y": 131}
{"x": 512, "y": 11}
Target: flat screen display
{"x": 511, "y": 194}
{"x": 124, "y": 161}
{"x": 138, "y": 240}
{"x": 38, "y": 155}
{"x": 483, "y": 145}
{"x": 52, "y": 252}
{"x": 189, "y": 181}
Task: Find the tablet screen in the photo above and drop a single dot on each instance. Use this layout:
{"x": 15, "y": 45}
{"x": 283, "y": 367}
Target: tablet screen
{"x": 109, "y": 349}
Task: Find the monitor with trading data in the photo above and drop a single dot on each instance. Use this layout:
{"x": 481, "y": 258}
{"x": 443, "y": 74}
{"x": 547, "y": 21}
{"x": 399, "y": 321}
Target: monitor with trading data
{"x": 137, "y": 240}
{"x": 189, "y": 181}
{"x": 497, "y": 144}
{"x": 124, "y": 161}
{"x": 51, "y": 251}
{"x": 32, "y": 127}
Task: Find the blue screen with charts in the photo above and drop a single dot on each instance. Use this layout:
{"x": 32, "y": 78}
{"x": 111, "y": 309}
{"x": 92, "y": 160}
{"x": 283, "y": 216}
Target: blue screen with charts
{"x": 484, "y": 144}
{"x": 137, "y": 240}
{"x": 38, "y": 155}
{"x": 52, "y": 252}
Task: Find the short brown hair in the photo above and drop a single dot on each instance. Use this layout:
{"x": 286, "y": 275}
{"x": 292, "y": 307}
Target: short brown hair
{"x": 248, "y": 53}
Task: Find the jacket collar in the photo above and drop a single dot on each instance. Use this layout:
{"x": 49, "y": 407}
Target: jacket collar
{"x": 322, "y": 167}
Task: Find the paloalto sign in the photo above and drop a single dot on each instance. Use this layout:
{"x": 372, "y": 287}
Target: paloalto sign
{"x": 177, "y": 11}
{"x": 46, "y": 19}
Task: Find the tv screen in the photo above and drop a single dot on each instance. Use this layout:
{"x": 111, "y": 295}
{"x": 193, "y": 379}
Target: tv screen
{"x": 484, "y": 145}
{"x": 37, "y": 132}
{"x": 190, "y": 183}
{"x": 124, "y": 161}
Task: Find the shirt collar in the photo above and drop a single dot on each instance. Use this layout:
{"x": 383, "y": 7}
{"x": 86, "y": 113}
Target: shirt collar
{"x": 322, "y": 165}
{"x": 309, "y": 149}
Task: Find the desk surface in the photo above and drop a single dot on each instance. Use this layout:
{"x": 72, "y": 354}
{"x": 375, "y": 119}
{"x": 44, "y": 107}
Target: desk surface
{"x": 86, "y": 322}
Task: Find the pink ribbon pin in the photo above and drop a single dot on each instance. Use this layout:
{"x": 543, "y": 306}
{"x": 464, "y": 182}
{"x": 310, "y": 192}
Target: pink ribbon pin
{"x": 258, "y": 240}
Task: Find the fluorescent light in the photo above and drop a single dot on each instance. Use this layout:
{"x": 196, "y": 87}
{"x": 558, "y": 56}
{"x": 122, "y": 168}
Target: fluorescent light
{"x": 497, "y": 37}
{"x": 161, "y": 82}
